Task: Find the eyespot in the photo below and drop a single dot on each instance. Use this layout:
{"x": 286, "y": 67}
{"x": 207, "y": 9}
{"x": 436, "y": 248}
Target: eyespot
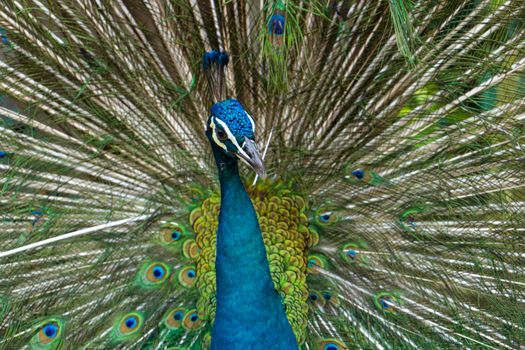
{"x": 355, "y": 252}
{"x": 157, "y": 273}
{"x": 48, "y": 334}
{"x": 193, "y": 196}
{"x": 357, "y": 175}
{"x": 351, "y": 252}
{"x": 386, "y": 302}
{"x": 128, "y": 325}
{"x": 325, "y": 216}
{"x": 314, "y": 261}
{"x": 222, "y": 135}
{"x": 330, "y": 297}
{"x": 408, "y": 220}
{"x": 153, "y": 274}
{"x": 187, "y": 276}
{"x": 192, "y": 320}
{"x": 174, "y": 318}
{"x": 172, "y": 233}
{"x": 315, "y": 298}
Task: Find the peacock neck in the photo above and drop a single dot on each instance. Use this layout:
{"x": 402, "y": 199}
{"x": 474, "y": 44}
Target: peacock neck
{"x": 249, "y": 314}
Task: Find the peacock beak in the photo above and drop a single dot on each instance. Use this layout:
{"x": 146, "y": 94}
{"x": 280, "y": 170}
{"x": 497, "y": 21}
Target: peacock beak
{"x": 251, "y": 157}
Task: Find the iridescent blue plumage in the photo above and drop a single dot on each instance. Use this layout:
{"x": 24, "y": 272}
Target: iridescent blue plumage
{"x": 250, "y": 315}
{"x": 233, "y": 114}
{"x": 213, "y": 57}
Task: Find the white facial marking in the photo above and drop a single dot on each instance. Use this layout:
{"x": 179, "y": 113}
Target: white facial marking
{"x": 214, "y": 135}
{"x": 253, "y": 123}
{"x": 231, "y": 137}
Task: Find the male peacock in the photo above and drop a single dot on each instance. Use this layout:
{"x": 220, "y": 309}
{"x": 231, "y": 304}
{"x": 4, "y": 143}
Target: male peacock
{"x": 393, "y": 211}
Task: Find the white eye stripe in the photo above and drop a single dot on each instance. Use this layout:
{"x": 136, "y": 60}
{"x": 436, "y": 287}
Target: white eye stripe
{"x": 214, "y": 135}
{"x": 231, "y": 137}
{"x": 253, "y": 123}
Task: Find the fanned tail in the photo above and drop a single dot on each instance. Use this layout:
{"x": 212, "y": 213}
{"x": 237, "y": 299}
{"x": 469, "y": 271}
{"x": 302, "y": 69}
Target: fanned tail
{"x": 405, "y": 141}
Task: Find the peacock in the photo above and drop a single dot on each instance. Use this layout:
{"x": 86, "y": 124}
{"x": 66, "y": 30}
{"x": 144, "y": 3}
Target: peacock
{"x": 277, "y": 174}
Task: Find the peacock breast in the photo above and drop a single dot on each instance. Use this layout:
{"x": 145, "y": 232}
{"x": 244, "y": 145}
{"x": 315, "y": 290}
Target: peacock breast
{"x": 282, "y": 216}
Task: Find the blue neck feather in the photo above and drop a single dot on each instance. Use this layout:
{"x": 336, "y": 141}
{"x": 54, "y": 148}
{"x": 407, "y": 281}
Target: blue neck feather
{"x": 250, "y": 314}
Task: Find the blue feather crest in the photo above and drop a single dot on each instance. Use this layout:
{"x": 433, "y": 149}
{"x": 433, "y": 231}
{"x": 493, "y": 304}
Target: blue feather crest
{"x": 234, "y": 115}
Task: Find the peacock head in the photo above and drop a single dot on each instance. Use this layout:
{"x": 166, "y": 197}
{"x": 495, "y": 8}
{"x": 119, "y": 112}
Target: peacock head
{"x": 232, "y": 130}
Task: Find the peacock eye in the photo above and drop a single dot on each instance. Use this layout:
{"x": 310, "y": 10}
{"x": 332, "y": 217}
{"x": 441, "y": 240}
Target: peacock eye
{"x": 221, "y": 134}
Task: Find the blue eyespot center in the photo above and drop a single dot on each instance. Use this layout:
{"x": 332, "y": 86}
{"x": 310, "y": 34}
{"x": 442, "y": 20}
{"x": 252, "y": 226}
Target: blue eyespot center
{"x": 131, "y": 322}
{"x": 177, "y": 316}
{"x": 194, "y": 317}
{"x": 175, "y": 235}
{"x": 191, "y": 273}
{"x": 411, "y": 221}
{"x": 313, "y": 296}
{"x": 385, "y": 302}
{"x": 158, "y": 272}
{"x": 360, "y": 174}
{"x": 331, "y": 347}
{"x": 327, "y": 296}
{"x": 351, "y": 254}
{"x": 325, "y": 217}
{"x": 50, "y": 330}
